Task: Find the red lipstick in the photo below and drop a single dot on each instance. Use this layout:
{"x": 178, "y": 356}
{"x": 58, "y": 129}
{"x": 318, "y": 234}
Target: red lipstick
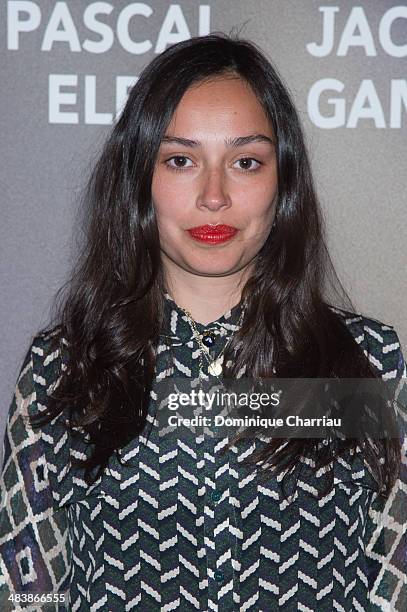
{"x": 212, "y": 234}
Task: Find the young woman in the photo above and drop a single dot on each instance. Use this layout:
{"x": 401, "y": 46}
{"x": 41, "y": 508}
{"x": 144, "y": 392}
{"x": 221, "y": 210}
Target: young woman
{"x": 204, "y": 258}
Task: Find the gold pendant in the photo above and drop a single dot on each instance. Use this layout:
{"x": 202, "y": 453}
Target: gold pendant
{"x": 215, "y": 368}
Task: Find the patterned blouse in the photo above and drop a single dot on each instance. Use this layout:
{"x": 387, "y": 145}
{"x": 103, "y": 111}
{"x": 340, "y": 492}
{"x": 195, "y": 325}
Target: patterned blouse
{"x": 176, "y": 524}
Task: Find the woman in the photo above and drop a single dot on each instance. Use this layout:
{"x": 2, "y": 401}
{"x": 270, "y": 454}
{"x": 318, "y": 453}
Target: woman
{"x": 204, "y": 257}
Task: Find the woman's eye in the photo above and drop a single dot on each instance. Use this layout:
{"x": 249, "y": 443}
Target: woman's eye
{"x": 176, "y": 159}
{"x": 248, "y": 163}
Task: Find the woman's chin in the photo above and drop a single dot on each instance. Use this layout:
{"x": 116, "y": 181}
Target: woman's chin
{"x": 209, "y": 263}
{"x": 220, "y": 267}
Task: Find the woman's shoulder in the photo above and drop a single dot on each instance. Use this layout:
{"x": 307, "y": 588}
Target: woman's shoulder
{"x": 359, "y": 322}
{"x": 49, "y": 354}
{"x": 48, "y": 337}
{"x": 379, "y": 341}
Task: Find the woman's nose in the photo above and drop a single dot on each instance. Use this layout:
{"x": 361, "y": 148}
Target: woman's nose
{"x": 213, "y": 194}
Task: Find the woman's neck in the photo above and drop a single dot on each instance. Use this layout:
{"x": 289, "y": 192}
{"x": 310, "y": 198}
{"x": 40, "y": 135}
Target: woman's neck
{"x": 206, "y": 298}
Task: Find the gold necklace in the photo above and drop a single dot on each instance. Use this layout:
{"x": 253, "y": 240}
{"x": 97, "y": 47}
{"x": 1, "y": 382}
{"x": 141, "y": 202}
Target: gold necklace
{"x": 215, "y": 366}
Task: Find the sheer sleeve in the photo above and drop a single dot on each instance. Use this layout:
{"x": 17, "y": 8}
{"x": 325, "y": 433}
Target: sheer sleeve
{"x": 34, "y": 542}
{"x": 386, "y": 549}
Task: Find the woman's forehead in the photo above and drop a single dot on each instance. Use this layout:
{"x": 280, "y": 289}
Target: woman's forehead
{"x": 221, "y": 104}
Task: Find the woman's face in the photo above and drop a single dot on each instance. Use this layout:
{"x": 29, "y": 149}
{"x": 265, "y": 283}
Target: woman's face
{"x": 212, "y": 182}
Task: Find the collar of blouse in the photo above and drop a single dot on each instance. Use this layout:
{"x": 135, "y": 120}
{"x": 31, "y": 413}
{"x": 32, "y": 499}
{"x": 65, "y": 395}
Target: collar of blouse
{"x": 178, "y": 329}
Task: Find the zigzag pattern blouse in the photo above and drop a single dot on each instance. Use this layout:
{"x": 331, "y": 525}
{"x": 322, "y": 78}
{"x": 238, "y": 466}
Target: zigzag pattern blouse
{"x": 177, "y": 525}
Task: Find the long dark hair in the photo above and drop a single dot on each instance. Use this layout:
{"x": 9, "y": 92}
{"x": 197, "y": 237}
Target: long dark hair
{"x": 112, "y": 314}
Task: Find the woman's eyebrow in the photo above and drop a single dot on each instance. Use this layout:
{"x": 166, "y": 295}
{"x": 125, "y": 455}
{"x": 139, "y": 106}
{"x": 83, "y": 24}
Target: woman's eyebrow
{"x": 238, "y": 141}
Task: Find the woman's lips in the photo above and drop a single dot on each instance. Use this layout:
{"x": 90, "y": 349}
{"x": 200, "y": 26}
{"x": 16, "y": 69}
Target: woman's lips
{"x": 212, "y": 233}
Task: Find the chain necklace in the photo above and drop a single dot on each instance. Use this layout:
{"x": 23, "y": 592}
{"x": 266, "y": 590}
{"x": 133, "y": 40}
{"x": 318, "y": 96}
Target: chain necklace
{"x": 215, "y": 366}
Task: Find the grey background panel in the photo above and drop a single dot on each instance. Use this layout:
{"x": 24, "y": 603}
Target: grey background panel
{"x": 359, "y": 171}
